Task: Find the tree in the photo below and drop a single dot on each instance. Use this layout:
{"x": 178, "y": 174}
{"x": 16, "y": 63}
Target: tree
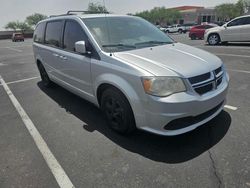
{"x": 33, "y": 19}
{"x": 96, "y": 7}
{"x": 228, "y": 11}
{"x": 11, "y": 25}
{"x": 23, "y": 26}
{"x": 160, "y": 15}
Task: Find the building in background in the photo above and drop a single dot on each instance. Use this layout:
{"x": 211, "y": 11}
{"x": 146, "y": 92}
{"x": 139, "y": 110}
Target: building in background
{"x": 196, "y": 14}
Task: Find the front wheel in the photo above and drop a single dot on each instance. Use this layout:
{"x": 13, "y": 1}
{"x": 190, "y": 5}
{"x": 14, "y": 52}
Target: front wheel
{"x": 180, "y": 31}
{"x": 117, "y": 111}
{"x": 213, "y": 39}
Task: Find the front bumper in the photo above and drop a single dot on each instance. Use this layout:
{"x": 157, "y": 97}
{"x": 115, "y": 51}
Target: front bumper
{"x": 162, "y": 113}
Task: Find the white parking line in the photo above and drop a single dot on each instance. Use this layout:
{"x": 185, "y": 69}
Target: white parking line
{"x": 241, "y": 71}
{"x": 19, "y": 46}
{"x": 22, "y": 80}
{"x": 232, "y": 55}
{"x": 14, "y": 49}
{"x": 56, "y": 169}
{"x": 230, "y": 107}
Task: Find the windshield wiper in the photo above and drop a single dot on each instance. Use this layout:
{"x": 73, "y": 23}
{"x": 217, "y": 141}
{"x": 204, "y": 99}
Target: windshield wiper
{"x": 118, "y": 45}
{"x": 153, "y": 42}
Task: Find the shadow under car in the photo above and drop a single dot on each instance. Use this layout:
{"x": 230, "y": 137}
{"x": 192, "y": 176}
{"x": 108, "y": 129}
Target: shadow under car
{"x": 174, "y": 149}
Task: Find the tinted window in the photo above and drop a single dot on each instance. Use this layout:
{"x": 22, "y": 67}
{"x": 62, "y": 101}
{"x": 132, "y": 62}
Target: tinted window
{"x": 236, "y": 22}
{"x": 53, "y": 33}
{"x": 39, "y": 33}
{"x": 73, "y": 33}
{"x": 246, "y": 20}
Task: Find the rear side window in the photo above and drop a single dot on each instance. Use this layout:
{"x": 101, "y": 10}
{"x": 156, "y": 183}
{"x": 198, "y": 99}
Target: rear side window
{"x": 39, "y": 33}
{"x": 73, "y": 33}
{"x": 53, "y": 33}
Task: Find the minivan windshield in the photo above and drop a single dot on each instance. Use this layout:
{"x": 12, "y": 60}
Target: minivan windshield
{"x": 114, "y": 34}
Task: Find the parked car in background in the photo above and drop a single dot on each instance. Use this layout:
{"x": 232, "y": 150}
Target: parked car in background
{"x": 197, "y": 32}
{"x": 188, "y": 26}
{"x": 237, "y": 30}
{"x": 175, "y": 28}
{"x": 17, "y": 37}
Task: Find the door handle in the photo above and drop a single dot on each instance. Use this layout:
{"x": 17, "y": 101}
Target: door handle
{"x": 56, "y": 55}
{"x": 63, "y": 57}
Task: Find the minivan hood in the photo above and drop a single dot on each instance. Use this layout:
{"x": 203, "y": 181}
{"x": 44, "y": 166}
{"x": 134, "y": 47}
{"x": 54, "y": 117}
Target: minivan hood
{"x": 172, "y": 60}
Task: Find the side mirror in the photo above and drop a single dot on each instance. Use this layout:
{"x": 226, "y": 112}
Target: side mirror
{"x": 80, "y": 47}
{"x": 225, "y": 26}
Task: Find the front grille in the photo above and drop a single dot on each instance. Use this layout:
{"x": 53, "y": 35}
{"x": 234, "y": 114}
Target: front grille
{"x": 204, "y": 83}
{"x": 204, "y": 89}
{"x": 191, "y": 120}
{"x": 200, "y": 78}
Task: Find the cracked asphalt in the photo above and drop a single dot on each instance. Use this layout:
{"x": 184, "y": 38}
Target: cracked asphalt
{"x": 214, "y": 155}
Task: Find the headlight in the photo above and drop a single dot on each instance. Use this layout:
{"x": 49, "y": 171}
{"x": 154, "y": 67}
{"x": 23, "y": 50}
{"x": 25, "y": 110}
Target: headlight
{"x": 163, "y": 86}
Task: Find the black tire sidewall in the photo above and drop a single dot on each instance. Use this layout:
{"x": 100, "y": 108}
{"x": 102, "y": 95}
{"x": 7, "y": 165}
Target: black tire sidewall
{"x": 128, "y": 124}
{"x": 46, "y": 83}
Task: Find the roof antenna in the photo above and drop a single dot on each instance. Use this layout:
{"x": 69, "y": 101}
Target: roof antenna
{"x": 107, "y": 25}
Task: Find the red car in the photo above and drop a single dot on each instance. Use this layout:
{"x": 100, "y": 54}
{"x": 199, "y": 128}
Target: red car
{"x": 17, "y": 37}
{"x": 199, "y": 31}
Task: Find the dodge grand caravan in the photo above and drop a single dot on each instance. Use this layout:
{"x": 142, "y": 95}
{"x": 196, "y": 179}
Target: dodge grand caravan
{"x": 137, "y": 75}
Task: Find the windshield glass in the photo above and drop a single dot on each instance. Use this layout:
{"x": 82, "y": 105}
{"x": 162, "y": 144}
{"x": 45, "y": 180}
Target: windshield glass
{"x": 115, "y": 34}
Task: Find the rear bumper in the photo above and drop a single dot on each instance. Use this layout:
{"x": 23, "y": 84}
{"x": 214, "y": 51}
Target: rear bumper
{"x": 183, "y": 112}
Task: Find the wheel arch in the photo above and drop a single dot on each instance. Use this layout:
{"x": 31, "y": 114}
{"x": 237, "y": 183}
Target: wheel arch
{"x": 108, "y": 80}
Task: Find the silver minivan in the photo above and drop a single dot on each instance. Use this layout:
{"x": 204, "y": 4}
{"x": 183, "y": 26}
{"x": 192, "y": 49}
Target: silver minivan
{"x": 136, "y": 74}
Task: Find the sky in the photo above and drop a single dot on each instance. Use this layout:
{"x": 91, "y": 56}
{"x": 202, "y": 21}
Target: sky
{"x": 13, "y": 10}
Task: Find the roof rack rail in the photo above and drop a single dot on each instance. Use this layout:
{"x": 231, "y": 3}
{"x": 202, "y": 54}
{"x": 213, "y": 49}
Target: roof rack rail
{"x": 70, "y": 12}
{"x": 51, "y": 16}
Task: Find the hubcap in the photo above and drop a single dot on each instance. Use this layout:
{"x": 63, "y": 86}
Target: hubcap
{"x": 213, "y": 39}
{"x": 114, "y": 113}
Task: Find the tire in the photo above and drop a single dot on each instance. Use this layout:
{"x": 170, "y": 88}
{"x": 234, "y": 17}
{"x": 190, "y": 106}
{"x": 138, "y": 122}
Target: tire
{"x": 193, "y": 37}
{"x": 213, "y": 39}
{"x": 44, "y": 76}
{"x": 117, "y": 111}
{"x": 180, "y": 31}
{"x": 167, "y": 31}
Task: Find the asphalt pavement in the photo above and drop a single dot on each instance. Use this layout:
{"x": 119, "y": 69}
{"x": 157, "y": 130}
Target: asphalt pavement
{"x": 91, "y": 155}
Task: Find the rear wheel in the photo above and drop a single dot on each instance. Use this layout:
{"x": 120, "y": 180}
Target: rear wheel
{"x": 213, "y": 39}
{"x": 44, "y": 76}
{"x": 180, "y": 31}
{"x": 117, "y": 111}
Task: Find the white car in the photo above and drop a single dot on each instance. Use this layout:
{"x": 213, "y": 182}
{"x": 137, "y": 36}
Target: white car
{"x": 175, "y": 28}
{"x": 237, "y": 30}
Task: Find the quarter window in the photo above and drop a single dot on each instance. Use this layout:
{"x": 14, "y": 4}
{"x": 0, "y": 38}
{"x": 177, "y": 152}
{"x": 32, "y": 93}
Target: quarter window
{"x": 73, "y": 33}
{"x": 53, "y": 33}
{"x": 39, "y": 33}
